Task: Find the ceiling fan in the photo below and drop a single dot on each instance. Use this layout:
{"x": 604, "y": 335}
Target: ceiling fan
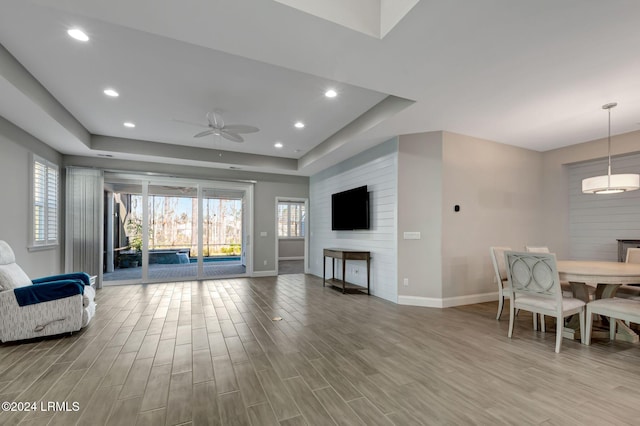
{"x": 217, "y": 127}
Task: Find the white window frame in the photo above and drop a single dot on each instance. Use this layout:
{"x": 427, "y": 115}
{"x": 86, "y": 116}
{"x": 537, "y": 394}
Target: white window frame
{"x": 49, "y": 236}
{"x": 302, "y": 219}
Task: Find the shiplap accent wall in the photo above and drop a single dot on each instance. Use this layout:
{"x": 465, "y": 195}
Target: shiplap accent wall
{"x": 380, "y": 176}
{"x": 596, "y": 221}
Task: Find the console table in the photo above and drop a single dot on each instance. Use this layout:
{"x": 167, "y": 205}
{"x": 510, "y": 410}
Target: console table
{"x": 344, "y": 255}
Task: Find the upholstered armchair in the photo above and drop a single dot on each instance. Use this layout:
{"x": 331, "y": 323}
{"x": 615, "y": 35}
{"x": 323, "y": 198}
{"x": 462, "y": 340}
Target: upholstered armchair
{"x": 44, "y": 306}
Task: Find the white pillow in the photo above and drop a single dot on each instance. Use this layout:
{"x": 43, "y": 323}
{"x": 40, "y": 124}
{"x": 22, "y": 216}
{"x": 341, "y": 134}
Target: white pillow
{"x": 12, "y": 276}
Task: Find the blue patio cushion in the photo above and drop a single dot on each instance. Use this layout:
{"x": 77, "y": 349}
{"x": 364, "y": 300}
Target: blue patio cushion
{"x": 38, "y": 293}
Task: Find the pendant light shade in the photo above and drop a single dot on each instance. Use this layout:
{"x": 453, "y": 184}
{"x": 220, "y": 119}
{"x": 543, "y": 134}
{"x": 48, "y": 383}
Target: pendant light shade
{"x": 610, "y": 184}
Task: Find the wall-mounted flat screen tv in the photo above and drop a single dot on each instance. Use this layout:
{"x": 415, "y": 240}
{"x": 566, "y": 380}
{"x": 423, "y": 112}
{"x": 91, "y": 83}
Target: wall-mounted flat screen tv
{"x": 350, "y": 209}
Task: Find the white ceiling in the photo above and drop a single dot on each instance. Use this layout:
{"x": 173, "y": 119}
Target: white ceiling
{"x": 530, "y": 74}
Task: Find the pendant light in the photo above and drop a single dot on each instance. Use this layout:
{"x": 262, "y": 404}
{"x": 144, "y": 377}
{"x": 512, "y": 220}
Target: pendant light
{"x": 610, "y": 184}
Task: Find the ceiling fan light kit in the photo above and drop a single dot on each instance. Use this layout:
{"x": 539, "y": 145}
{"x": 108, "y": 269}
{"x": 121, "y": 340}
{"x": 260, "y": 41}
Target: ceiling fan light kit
{"x": 610, "y": 184}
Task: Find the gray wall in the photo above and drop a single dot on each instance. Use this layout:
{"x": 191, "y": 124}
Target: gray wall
{"x": 15, "y": 168}
{"x": 267, "y": 188}
{"x": 498, "y": 188}
{"x": 16, "y": 146}
{"x": 486, "y": 179}
{"x": 265, "y": 218}
{"x": 289, "y": 248}
{"x": 597, "y": 221}
{"x": 556, "y": 190}
{"x": 420, "y": 210}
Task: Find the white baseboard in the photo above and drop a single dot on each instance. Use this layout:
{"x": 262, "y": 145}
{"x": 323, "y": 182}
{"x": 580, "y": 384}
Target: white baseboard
{"x": 432, "y": 302}
{"x": 425, "y": 302}
{"x": 264, "y": 274}
{"x": 292, "y": 258}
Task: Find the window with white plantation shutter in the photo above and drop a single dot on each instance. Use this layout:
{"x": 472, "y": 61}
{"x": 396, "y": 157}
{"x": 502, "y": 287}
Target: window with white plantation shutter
{"x": 291, "y": 219}
{"x": 45, "y": 202}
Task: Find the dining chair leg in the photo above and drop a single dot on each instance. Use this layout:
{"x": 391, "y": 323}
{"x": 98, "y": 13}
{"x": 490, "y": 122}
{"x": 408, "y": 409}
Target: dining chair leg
{"x": 542, "y": 324}
{"x": 500, "y": 306}
{"x": 535, "y": 322}
{"x": 587, "y": 328}
{"x": 559, "y": 328}
{"x": 511, "y": 319}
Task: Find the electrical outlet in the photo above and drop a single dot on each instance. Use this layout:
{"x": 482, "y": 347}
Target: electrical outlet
{"x": 406, "y": 282}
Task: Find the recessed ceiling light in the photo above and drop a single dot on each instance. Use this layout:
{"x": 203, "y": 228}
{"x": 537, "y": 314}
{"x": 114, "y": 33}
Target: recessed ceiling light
{"x": 78, "y": 34}
{"x": 105, "y": 155}
{"x": 299, "y": 125}
{"x": 278, "y": 145}
{"x": 111, "y": 92}
{"x": 129, "y": 124}
{"x": 331, "y": 93}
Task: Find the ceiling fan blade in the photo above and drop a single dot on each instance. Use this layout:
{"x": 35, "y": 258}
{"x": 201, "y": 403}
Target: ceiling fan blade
{"x": 241, "y": 128}
{"x": 189, "y": 122}
{"x": 205, "y": 133}
{"x": 231, "y": 136}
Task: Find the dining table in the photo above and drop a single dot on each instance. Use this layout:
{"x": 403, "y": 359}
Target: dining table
{"x": 598, "y": 279}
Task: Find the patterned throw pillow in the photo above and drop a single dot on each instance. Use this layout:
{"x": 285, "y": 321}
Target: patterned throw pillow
{"x": 12, "y": 276}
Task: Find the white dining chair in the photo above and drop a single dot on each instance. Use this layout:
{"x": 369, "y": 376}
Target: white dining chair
{"x": 566, "y": 287}
{"x": 534, "y": 284}
{"x": 497, "y": 258}
{"x": 536, "y": 249}
{"x": 613, "y": 308}
{"x": 633, "y": 255}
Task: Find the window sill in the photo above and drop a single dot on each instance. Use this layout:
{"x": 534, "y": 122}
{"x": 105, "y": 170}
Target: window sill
{"x": 42, "y": 247}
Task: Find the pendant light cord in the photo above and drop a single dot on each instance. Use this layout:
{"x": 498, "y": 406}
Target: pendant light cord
{"x": 608, "y": 108}
{"x": 609, "y": 149}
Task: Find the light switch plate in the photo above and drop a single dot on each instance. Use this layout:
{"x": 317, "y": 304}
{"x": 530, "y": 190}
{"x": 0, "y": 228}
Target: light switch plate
{"x": 263, "y": 233}
{"x": 412, "y": 236}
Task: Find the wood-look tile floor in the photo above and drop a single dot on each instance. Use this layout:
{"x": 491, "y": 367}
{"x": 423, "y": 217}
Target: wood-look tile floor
{"x": 210, "y": 353}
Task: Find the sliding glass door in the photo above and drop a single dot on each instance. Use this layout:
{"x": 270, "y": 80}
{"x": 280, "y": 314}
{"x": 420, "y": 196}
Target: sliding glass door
{"x": 123, "y": 231}
{"x": 165, "y": 229}
{"x": 173, "y": 232}
{"x": 223, "y": 229}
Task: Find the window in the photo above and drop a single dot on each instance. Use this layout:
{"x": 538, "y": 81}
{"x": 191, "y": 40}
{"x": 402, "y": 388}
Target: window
{"x": 291, "y": 219}
{"x": 45, "y": 202}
